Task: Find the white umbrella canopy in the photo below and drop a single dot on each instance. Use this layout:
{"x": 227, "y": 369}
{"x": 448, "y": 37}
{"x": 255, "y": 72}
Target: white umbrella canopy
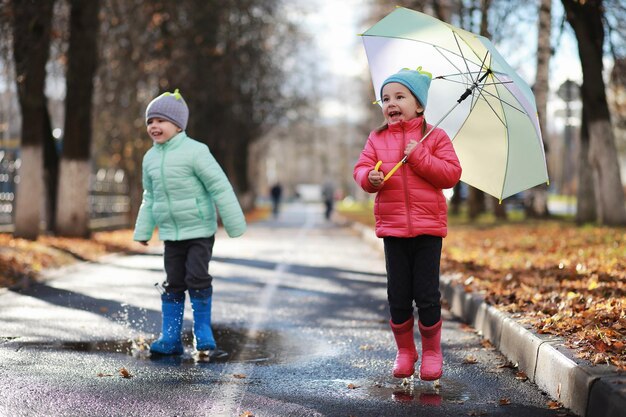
{"x": 485, "y": 107}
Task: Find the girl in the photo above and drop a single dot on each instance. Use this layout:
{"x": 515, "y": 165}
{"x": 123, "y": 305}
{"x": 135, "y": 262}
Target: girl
{"x": 411, "y": 215}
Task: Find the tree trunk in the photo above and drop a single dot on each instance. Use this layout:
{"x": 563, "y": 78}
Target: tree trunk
{"x": 31, "y": 47}
{"x": 73, "y": 207}
{"x": 536, "y": 203}
{"x": 585, "y": 200}
{"x": 51, "y": 174}
{"x": 443, "y": 10}
{"x": 499, "y": 207}
{"x": 455, "y": 201}
{"x": 587, "y": 21}
{"x": 476, "y": 202}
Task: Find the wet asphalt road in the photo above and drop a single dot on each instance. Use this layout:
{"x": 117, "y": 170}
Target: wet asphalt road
{"x": 301, "y": 322}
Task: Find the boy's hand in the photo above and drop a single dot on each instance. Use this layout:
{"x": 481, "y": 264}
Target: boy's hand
{"x": 375, "y": 178}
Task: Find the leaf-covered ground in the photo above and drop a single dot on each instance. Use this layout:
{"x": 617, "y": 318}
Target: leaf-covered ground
{"x": 564, "y": 280}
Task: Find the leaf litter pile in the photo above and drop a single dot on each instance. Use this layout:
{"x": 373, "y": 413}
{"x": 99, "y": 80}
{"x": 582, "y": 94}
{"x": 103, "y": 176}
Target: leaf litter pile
{"x": 22, "y": 260}
{"x": 564, "y": 280}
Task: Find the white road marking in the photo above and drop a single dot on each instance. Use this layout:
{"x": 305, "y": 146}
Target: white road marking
{"x": 231, "y": 395}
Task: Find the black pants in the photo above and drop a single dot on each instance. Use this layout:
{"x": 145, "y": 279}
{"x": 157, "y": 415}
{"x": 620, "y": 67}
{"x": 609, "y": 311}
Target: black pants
{"x": 187, "y": 264}
{"x": 413, "y": 275}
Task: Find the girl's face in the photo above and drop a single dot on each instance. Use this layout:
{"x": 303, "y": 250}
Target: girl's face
{"x": 161, "y": 130}
{"x": 399, "y": 104}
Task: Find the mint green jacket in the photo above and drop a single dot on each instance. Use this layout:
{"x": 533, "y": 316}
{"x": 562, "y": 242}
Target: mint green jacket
{"x": 183, "y": 184}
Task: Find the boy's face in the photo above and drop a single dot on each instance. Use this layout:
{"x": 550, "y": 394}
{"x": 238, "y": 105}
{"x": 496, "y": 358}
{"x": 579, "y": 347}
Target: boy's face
{"x": 399, "y": 104}
{"x": 161, "y": 130}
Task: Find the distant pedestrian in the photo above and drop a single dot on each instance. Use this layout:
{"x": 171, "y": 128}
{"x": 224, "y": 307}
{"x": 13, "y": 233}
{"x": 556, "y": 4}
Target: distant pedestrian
{"x": 183, "y": 184}
{"x": 328, "y": 194}
{"x": 276, "y": 193}
{"x": 411, "y": 215}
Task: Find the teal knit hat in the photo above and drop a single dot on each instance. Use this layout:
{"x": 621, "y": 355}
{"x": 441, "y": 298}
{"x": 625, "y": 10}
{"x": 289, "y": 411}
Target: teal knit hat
{"x": 169, "y": 106}
{"x": 417, "y": 81}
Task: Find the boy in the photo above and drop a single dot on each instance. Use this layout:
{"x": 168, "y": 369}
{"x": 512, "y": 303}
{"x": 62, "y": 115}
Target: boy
{"x": 182, "y": 185}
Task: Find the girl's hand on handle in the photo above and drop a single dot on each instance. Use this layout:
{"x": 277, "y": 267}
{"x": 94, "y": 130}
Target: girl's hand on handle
{"x": 410, "y": 146}
{"x": 375, "y": 178}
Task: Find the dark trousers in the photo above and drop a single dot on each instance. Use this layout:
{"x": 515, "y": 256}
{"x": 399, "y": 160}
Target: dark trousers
{"x": 413, "y": 276}
{"x": 187, "y": 264}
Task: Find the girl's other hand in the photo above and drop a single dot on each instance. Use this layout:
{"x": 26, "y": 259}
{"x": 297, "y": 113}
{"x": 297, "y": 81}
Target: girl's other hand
{"x": 375, "y": 178}
{"x": 410, "y": 146}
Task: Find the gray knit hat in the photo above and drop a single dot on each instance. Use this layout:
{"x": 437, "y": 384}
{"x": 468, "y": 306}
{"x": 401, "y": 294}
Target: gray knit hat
{"x": 169, "y": 106}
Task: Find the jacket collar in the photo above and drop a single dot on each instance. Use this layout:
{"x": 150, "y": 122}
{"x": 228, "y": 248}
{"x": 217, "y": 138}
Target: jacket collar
{"x": 172, "y": 143}
{"x": 407, "y": 126}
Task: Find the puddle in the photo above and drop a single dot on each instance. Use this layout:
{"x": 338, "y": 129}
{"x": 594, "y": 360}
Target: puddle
{"x": 425, "y": 393}
{"x": 234, "y": 345}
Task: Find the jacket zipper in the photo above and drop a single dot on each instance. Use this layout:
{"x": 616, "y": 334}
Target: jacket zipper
{"x": 406, "y": 189}
{"x": 167, "y": 194}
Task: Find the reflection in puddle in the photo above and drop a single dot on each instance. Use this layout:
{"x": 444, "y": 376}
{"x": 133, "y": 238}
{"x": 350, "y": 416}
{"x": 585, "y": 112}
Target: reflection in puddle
{"x": 414, "y": 390}
{"x": 234, "y": 345}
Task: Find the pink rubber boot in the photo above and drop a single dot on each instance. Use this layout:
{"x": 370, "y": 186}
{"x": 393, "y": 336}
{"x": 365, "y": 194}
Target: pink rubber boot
{"x": 432, "y": 359}
{"x": 404, "y": 365}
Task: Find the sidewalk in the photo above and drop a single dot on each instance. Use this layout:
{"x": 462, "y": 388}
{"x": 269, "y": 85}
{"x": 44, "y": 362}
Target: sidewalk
{"x": 589, "y": 391}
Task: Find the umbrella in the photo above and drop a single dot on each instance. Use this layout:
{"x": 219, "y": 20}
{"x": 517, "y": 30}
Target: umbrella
{"x": 485, "y": 107}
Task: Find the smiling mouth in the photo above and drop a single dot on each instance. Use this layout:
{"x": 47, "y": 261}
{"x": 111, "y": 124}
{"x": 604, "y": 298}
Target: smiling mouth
{"x": 394, "y": 113}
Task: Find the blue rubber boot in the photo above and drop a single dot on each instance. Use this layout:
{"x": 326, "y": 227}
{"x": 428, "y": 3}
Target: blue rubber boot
{"x": 201, "y": 304}
{"x": 170, "y": 342}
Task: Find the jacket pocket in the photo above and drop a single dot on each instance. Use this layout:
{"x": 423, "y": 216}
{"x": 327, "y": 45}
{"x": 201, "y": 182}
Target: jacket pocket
{"x": 201, "y": 213}
{"x": 186, "y": 211}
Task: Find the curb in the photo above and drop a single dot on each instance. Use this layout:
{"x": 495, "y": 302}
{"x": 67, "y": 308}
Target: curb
{"x": 589, "y": 391}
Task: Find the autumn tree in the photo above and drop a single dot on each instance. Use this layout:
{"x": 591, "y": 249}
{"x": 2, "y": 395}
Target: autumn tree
{"x": 235, "y": 84}
{"x": 536, "y": 204}
{"x": 587, "y": 20}
{"x": 75, "y": 170}
{"x": 131, "y": 54}
{"x": 31, "y": 40}
{"x": 227, "y": 57}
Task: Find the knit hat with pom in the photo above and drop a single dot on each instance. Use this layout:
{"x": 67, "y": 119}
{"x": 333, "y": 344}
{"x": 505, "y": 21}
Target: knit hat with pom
{"x": 417, "y": 81}
{"x": 169, "y": 106}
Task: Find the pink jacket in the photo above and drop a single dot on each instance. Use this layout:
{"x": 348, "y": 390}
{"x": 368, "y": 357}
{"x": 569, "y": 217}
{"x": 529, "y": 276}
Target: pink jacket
{"x": 411, "y": 202}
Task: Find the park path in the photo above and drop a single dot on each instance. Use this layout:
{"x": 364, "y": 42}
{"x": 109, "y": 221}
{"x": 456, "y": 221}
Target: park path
{"x": 300, "y": 319}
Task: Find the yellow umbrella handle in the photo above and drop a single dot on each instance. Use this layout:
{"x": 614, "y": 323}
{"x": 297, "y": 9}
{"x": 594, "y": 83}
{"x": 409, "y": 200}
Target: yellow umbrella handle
{"x": 394, "y": 169}
{"x": 378, "y": 164}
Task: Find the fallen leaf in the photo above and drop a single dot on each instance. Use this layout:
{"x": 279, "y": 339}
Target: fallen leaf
{"x": 247, "y": 414}
{"x": 510, "y": 365}
{"x": 469, "y": 360}
{"x": 125, "y": 373}
{"x": 554, "y": 405}
{"x": 352, "y": 386}
{"x": 467, "y": 328}
{"x": 504, "y": 401}
{"x": 239, "y": 376}
{"x": 521, "y": 375}
{"x": 486, "y": 344}
{"x": 100, "y": 374}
